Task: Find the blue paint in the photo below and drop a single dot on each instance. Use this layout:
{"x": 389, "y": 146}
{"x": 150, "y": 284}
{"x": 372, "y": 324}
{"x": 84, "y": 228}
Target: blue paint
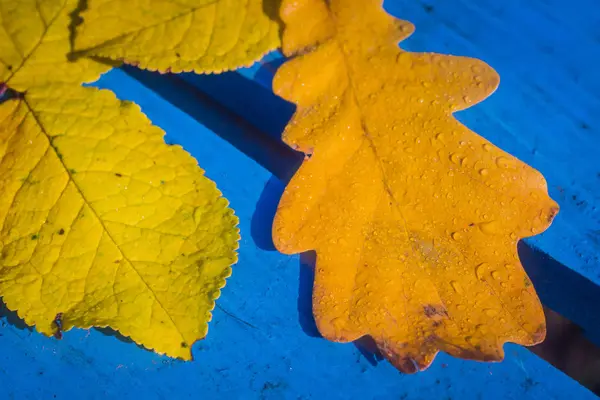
{"x": 276, "y": 353}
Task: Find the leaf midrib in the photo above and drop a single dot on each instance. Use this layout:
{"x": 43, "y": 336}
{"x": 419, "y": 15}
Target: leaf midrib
{"x": 108, "y": 42}
{"x": 382, "y": 171}
{"x": 100, "y": 221}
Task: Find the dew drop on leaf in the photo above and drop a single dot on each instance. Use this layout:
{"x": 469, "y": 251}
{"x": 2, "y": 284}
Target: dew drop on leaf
{"x": 457, "y": 287}
{"x": 480, "y": 270}
{"x": 455, "y": 158}
{"x": 490, "y": 228}
{"x": 504, "y": 162}
{"x": 490, "y": 312}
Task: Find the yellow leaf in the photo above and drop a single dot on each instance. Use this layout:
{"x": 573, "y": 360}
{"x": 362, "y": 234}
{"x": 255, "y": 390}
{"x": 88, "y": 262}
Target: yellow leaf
{"x": 414, "y": 218}
{"x": 34, "y": 43}
{"x": 188, "y": 35}
{"x": 104, "y": 223}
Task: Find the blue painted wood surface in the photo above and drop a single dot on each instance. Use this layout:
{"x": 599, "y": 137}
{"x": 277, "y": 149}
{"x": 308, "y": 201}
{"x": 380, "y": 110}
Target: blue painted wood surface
{"x": 262, "y": 342}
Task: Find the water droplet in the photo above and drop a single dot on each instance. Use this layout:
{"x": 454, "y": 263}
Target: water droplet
{"x": 466, "y": 99}
{"x": 456, "y": 235}
{"x": 456, "y": 158}
{"x": 513, "y": 236}
{"x": 422, "y": 286}
{"x": 484, "y": 171}
{"x": 490, "y": 228}
{"x": 496, "y": 275}
{"x": 480, "y": 270}
{"x": 483, "y": 329}
{"x": 504, "y": 162}
{"x": 457, "y": 287}
{"x": 490, "y": 312}
{"x": 486, "y": 147}
{"x": 337, "y": 322}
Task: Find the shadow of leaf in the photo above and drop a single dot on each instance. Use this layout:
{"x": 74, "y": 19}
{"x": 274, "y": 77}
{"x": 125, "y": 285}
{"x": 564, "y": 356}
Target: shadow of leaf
{"x": 12, "y": 318}
{"x": 368, "y": 348}
{"x": 108, "y": 331}
{"x": 76, "y": 20}
{"x": 271, "y": 9}
{"x": 262, "y": 219}
{"x": 305, "y": 288}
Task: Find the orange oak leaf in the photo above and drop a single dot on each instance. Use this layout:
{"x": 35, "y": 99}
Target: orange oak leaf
{"x": 414, "y": 218}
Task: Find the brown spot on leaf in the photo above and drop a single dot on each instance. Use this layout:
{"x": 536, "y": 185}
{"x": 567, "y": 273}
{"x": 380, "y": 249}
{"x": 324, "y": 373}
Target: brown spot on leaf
{"x": 435, "y": 311}
{"x": 552, "y": 214}
{"x": 540, "y": 334}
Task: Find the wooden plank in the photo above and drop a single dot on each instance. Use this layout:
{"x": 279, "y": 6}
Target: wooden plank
{"x": 261, "y": 342}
